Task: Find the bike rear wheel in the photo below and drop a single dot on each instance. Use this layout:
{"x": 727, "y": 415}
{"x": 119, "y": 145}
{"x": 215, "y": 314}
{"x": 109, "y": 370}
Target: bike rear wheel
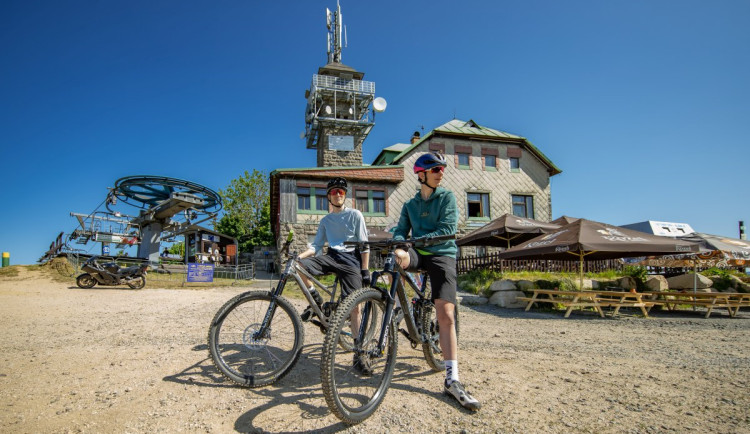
{"x": 351, "y": 395}
{"x": 431, "y": 349}
{"x": 249, "y": 360}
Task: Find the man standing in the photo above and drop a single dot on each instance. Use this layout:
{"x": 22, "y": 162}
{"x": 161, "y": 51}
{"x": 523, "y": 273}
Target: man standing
{"x": 433, "y": 212}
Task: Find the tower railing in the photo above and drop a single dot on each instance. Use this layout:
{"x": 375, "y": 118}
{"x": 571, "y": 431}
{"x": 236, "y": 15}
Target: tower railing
{"x": 336, "y": 83}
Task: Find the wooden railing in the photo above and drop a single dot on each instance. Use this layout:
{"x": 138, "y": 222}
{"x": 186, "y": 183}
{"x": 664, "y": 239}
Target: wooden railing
{"x": 493, "y": 262}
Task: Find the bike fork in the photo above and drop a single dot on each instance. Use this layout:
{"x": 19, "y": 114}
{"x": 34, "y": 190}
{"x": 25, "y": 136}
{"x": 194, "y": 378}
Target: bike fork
{"x": 264, "y": 326}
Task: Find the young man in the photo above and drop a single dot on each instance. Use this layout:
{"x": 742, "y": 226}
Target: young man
{"x": 340, "y": 225}
{"x": 433, "y": 212}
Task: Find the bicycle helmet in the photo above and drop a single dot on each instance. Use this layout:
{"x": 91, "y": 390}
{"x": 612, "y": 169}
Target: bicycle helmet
{"x": 428, "y": 161}
{"x": 336, "y": 183}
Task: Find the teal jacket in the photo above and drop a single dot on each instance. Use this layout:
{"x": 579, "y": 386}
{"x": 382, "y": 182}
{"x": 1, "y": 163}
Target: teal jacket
{"x": 438, "y": 215}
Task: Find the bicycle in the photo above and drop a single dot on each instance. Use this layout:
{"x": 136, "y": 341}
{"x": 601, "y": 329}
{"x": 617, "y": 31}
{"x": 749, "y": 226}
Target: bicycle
{"x": 351, "y": 396}
{"x": 256, "y": 338}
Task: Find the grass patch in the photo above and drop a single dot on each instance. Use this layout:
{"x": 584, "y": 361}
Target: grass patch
{"x": 11, "y": 271}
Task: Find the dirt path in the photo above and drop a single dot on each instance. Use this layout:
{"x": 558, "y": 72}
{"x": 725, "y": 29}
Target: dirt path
{"x": 117, "y": 360}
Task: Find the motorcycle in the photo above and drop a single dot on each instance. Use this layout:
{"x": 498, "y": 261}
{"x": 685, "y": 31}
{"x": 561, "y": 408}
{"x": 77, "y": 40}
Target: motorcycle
{"x": 111, "y": 274}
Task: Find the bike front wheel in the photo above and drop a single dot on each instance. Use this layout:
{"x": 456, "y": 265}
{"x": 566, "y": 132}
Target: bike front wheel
{"x": 431, "y": 349}
{"x": 241, "y": 354}
{"x": 355, "y": 381}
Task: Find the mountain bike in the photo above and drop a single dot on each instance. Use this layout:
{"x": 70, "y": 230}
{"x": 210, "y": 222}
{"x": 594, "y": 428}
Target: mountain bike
{"x": 256, "y": 337}
{"x": 351, "y": 395}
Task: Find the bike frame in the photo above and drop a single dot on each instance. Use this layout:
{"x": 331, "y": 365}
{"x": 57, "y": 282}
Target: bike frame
{"x": 293, "y": 269}
{"x": 394, "y": 270}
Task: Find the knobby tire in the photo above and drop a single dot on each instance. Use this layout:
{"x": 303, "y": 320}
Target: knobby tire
{"x": 350, "y": 396}
{"x": 255, "y": 363}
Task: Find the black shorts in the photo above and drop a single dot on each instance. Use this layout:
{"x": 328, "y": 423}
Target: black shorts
{"x": 349, "y": 274}
{"x": 441, "y": 271}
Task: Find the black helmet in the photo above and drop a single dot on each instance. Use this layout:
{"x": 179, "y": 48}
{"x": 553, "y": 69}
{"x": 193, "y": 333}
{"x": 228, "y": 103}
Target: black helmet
{"x": 428, "y": 161}
{"x": 336, "y": 183}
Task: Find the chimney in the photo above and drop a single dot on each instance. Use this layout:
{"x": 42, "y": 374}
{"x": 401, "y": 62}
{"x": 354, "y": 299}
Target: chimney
{"x": 415, "y": 137}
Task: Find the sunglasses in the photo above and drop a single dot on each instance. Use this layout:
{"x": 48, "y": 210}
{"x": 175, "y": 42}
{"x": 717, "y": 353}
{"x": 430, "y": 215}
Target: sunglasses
{"x": 336, "y": 191}
{"x": 437, "y": 169}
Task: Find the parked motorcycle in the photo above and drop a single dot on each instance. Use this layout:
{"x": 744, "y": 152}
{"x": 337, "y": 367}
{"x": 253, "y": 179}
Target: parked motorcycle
{"x": 111, "y": 274}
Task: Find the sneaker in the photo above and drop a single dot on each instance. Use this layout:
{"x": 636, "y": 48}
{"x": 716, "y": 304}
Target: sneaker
{"x": 456, "y": 390}
{"x": 362, "y": 365}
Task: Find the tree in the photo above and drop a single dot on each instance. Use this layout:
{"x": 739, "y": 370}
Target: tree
{"x": 247, "y": 211}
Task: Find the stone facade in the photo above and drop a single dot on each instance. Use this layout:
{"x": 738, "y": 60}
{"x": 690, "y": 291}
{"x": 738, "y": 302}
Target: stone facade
{"x": 399, "y": 184}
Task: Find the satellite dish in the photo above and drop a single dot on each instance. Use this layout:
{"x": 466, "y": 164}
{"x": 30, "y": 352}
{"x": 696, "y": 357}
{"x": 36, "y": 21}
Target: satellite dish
{"x": 328, "y": 110}
{"x": 379, "y": 104}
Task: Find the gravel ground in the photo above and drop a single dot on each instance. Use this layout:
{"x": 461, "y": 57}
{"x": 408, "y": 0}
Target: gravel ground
{"x": 118, "y": 360}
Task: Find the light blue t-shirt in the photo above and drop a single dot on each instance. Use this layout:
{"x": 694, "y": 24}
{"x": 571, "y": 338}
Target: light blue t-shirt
{"x": 337, "y": 227}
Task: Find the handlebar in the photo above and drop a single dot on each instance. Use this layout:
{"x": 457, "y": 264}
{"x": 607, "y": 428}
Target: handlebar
{"x": 416, "y": 242}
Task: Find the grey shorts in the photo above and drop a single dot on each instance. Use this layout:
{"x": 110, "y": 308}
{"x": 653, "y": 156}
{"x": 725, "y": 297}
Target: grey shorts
{"x": 349, "y": 275}
{"x": 441, "y": 271}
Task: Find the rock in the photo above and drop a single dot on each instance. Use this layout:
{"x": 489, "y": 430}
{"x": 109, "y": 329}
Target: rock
{"x": 588, "y": 284}
{"x": 525, "y": 285}
{"x": 503, "y": 285}
{"x": 735, "y": 281}
{"x": 471, "y": 299}
{"x": 507, "y": 299}
{"x": 627, "y": 282}
{"x": 657, "y": 283}
{"x": 685, "y": 281}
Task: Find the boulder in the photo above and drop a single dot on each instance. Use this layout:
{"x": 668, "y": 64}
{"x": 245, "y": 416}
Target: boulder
{"x": 627, "y": 282}
{"x": 471, "y": 299}
{"x": 503, "y": 285}
{"x": 588, "y": 284}
{"x": 735, "y": 281}
{"x": 657, "y": 283}
{"x": 685, "y": 281}
{"x": 507, "y": 299}
{"x": 525, "y": 285}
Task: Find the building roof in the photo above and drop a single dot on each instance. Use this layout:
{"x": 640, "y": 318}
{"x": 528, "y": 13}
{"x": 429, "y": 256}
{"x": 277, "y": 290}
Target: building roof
{"x": 459, "y": 128}
{"x": 387, "y": 155}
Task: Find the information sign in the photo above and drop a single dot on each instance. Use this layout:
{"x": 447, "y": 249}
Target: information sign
{"x": 200, "y": 272}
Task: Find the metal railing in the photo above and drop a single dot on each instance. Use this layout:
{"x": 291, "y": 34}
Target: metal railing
{"x": 330, "y": 82}
{"x": 493, "y": 262}
{"x": 172, "y": 272}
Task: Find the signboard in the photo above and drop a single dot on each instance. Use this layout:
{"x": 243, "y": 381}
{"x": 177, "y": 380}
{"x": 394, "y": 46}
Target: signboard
{"x": 340, "y": 143}
{"x": 105, "y": 249}
{"x": 209, "y": 237}
{"x": 200, "y": 272}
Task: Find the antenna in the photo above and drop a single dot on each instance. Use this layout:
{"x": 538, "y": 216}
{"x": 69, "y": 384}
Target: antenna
{"x": 346, "y": 44}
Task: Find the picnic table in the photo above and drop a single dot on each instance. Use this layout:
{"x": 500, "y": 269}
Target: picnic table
{"x": 732, "y": 301}
{"x": 569, "y": 299}
{"x": 594, "y": 299}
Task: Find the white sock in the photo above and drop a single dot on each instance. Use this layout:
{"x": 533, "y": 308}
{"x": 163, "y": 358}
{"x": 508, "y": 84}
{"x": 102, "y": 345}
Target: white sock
{"x": 451, "y": 371}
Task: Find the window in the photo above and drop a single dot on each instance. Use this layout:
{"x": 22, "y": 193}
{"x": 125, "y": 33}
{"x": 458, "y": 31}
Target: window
{"x": 490, "y": 162}
{"x": 303, "y": 198}
{"x": 363, "y": 203}
{"x": 463, "y": 160}
{"x": 515, "y": 164}
{"x": 478, "y": 205}
{"x": 370, "y": 202}
{"x": 312, "y": 200}
{"x": 523, "y": 206}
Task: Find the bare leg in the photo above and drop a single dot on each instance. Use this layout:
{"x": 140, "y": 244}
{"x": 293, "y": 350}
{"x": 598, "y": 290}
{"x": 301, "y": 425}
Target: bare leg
{"x": 447, "y": 323}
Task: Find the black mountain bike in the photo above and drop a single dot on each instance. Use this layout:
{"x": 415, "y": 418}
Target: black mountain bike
{"x": 351, "y": 395}
{"x": 256, "y": 337}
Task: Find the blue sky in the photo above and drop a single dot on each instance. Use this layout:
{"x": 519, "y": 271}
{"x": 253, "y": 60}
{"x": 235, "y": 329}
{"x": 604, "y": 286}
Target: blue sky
{"x": 644, "y": 105}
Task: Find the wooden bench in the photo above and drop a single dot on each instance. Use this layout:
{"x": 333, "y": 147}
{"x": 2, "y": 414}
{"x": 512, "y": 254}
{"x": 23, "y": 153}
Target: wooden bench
{"x": 619, "y": 299}
{"x": 569, "y": 299}
{"x": 710, "y": 300}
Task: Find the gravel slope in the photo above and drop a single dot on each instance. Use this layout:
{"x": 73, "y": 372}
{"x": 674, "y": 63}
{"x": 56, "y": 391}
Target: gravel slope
{"x": 117, "y": 360}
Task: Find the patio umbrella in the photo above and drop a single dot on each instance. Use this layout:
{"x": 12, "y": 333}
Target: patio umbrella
{"x": 564, "y": 220}
{"x": 715, "y": 251}
{"x": 593, "y": 240}
{"x": 506, "y": 231}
